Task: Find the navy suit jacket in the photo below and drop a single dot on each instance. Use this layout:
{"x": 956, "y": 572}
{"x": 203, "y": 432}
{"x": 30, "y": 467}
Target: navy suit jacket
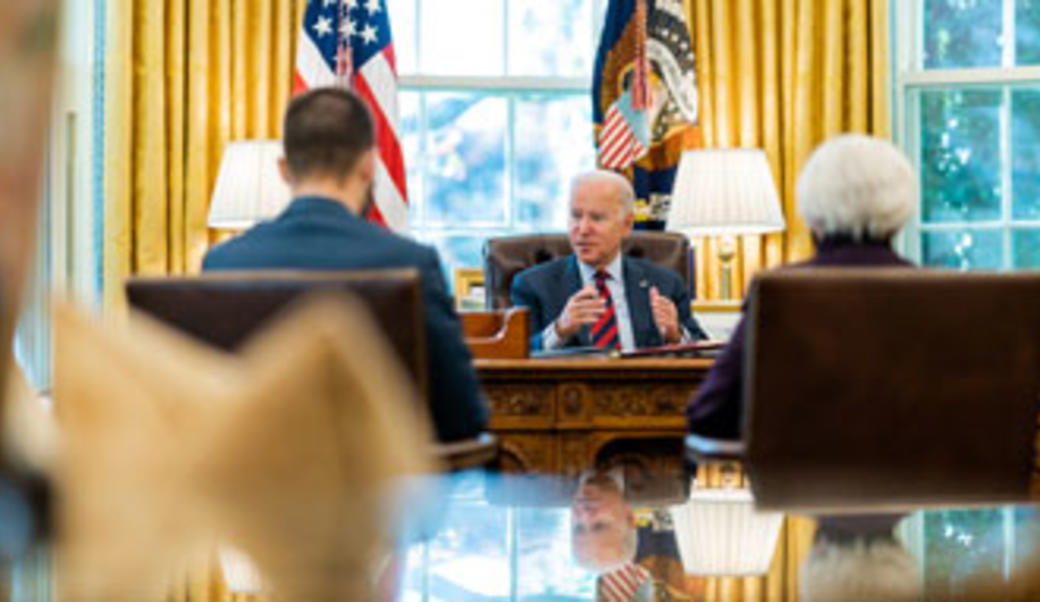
{"x": 717, "y": 408}
{"x": 316, "y": 233}
{"x": 546, "y": 287}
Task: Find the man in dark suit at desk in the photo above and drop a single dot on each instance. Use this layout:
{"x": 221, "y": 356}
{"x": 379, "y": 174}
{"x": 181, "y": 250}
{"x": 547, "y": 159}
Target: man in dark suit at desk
{"x": 329, "y": 164}
{"x": 596, "y": 296}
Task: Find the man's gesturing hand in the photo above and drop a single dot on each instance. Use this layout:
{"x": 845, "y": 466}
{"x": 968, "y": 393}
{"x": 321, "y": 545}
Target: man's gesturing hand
{"x": 583, "y": 308}
{"x": 666, "y": 317}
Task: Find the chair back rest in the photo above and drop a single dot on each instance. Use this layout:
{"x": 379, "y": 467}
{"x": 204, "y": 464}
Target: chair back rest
{"x": 225, "y": 308}
{"x": 892, "y": 386}
{"x": 505, "y": 256}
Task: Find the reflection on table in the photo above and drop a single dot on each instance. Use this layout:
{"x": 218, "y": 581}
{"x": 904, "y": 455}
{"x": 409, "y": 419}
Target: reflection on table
{"x": 522, "y": 537}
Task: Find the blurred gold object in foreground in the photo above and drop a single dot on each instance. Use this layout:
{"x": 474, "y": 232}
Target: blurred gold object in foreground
{"x": 283, "y": 451}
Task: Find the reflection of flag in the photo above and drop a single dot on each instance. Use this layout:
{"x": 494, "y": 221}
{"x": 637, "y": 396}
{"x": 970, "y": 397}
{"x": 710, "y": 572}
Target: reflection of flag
{"x": 624, "y": 136}
{"x": 347, "y": 42}
{"x": 629, "y": 583}
{"x": 644, "y": 89}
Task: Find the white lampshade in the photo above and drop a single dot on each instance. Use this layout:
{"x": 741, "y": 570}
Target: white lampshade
{"x": 724, "y": 191}
{"x": 720, "y": 534}
{"x": 249, "y": 188}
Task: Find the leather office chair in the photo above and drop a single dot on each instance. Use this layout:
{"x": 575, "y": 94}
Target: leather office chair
{"x": 225, "y": 308}
{"x": 505, "y": 256}
{"x": 890, "y": 387}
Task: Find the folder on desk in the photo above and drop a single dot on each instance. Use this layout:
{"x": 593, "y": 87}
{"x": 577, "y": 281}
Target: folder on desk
{"x": 585, "y": 351}
{"x": 693, "y": 349}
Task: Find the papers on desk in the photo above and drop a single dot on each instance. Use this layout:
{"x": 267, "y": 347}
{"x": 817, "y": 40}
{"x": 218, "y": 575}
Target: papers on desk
{"x": 587, "y": 351}
{"x": 694, "y": 349}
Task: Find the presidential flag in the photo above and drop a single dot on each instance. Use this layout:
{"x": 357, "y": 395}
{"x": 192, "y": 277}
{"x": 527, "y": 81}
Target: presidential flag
{"x": 644, "y": 99}
{"x": 348, "y": 43}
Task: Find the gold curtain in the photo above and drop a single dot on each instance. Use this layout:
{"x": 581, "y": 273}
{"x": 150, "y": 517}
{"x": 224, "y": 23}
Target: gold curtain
{"x": 182, "y": 78}
{"x": 785, "y": 75}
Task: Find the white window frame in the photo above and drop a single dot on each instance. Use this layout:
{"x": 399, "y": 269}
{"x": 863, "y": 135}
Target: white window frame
{"x": 910, "y": 77}
{"x": 67, "y": 253}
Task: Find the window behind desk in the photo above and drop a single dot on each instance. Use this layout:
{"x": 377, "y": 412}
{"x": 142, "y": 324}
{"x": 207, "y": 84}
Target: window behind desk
{"x": 495, "y": 113}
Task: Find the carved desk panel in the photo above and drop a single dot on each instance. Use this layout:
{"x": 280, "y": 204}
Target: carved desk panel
{"x": 559, "y": 415}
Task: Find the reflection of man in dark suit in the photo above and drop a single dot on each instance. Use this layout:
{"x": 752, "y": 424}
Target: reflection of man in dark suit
{"x": 329, "y": 163}
{"x": 596, "y": 296}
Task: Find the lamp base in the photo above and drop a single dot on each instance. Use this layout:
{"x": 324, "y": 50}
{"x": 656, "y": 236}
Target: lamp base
{"x": 727, "y": 251}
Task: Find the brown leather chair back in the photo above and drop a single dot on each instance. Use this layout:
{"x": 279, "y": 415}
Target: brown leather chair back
{"x": 505, "y": 256}
{"x": 892, "y": 386}
{"x": 225, "y": 308}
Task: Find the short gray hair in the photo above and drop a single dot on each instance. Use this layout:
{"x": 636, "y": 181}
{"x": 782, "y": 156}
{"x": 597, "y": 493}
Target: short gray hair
{"x": 626, "y": 195}
{"x": 858, "y": 186}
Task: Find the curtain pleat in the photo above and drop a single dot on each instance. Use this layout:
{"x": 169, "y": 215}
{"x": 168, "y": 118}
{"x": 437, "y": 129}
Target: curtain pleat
{"x": 784, "y": 75}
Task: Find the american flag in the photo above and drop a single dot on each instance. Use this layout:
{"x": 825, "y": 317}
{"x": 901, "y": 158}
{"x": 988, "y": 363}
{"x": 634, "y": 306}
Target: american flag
{"x": 347, "y": 43}
{"x": 625, "y": 136}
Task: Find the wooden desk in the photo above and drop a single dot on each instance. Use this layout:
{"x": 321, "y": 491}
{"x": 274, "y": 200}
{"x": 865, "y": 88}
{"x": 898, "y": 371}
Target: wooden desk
{"x": 564, "y": 415}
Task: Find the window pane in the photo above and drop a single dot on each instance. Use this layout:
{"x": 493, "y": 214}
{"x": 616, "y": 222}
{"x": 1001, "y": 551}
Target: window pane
{"x": 545, "y": 568}
{"x": 402, "y": 25}
{"x": 457, "y": 250}
{"x": 469, "y": 559}
{"x": 960, "y": 155}
{"x": 960, "y": 543}
{"x": 409, "y": 122}
{"x": 1025, "y": 154}
{"x": 1026, "y": 244}
{"x": 550, "y": 38}
{"x": 553, "y": 142}
{"x": 1027, "y": 536}
{"x": 1027, "y": 32}
{"x": 962, "y": 249}
{"x": 461, "y": 37}
{"x": 962, "y": 33}
{"x": 465, "y": 160}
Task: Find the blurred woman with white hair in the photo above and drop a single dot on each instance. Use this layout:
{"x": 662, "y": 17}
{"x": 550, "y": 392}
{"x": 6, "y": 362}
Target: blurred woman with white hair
{"x": 855, "y": 193}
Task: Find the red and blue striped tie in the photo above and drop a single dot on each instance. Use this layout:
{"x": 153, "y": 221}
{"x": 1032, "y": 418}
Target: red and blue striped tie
{"x": 605, "y": 331}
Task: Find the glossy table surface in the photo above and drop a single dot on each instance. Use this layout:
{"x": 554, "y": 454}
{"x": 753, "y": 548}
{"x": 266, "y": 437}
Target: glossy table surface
{"x": 483, "y": 537}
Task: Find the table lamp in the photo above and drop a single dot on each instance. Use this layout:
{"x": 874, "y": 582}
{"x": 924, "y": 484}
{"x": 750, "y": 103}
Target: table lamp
{"x": 720, "y": 534}
{"x": 249, "y": 188}
{"x": 725, "y": 192}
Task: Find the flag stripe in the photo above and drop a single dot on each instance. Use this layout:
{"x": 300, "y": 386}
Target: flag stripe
{"x": 394, "y": 209}
{"x": 312, "y": 69}
{"x": 387, "y": 143}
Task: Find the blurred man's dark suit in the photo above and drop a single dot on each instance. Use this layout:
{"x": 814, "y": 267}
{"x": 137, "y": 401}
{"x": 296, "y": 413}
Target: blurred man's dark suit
{"x": 316, "y": 233}
{"x": 716, "y": 410}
